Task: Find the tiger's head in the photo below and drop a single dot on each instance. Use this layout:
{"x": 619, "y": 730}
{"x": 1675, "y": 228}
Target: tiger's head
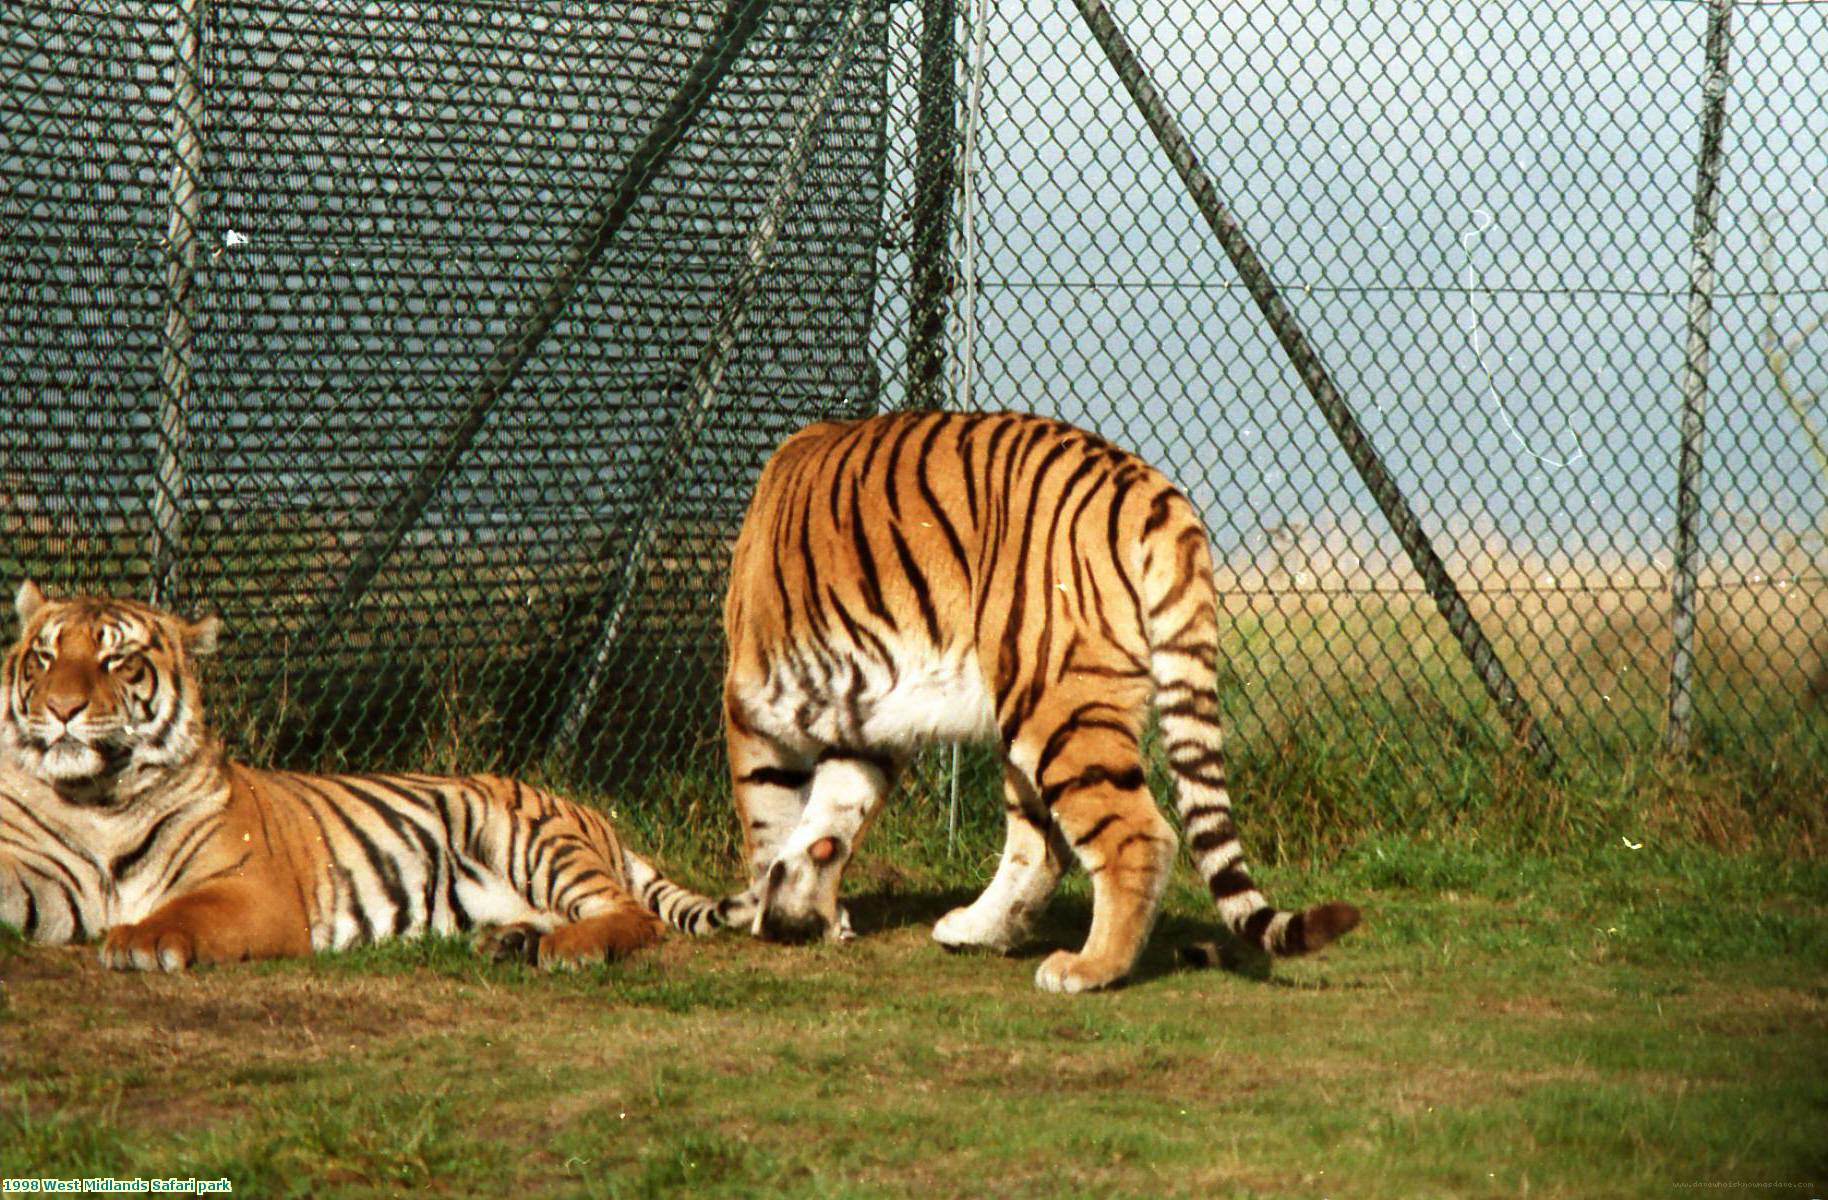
{"x": 98, "y": 691}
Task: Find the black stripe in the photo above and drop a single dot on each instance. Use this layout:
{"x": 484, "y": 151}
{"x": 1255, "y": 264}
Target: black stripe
{"x": 408, "y": 831}
{"x": 918, "y": 582}
{"x": 781, "y": 777}
{"x": 223, "y": 871}
{"x": 810, "y": 563}
{"x": 1187, "y": 547}
{"x": 1158, "y": 512}
{"x": 866, "y": 563}
{"x": 1098, "y": 827}
{"x": 1120, "y": 484}
{"x": 79, "y": 927}
{"x": 922, "y": 477}
{"x": 51, "y": 836}
{"x": 584, "y": 879}
{"x": 1210, "y": 839}
{"x": 1131, "y": 841}
{"x": 1101, "y": 672}
{"x": 1009, "y": 653}
{"x": 861, "y": 636}
{"x": 460, "y": 916}
{"x": 965, "y": 429}
{"x": 1127, "y": 779}
{"x": 892, "y": 489}
{"x": 1077, "y": 720}
{"x": 350, "y": 893}
{"x": 199, "y": 836}
{"x": 379, "y": 863}
{"x": 877, "y": 431}
{"x": 1256, "y": 923}
{"x": 124, "y": 863}
{"x": 1232, "y": 881}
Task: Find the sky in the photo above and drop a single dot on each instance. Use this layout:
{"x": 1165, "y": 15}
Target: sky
{"x": 1481, "y": 214}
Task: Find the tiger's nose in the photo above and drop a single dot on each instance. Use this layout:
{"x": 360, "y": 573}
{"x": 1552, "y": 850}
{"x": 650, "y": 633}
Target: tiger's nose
{"x": 65, "y": 707}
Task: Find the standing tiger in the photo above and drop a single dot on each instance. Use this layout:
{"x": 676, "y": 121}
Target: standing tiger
{"x": 999, "y": 577}
{"x": 120, "y": 814}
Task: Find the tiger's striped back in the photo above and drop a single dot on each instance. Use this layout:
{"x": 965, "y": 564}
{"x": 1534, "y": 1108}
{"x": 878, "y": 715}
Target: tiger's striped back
{"x": 1001, "y": 577}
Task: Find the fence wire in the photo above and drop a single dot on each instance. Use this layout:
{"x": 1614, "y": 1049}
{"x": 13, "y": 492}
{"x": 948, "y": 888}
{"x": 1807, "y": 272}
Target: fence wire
{"x": 388, "y": 332}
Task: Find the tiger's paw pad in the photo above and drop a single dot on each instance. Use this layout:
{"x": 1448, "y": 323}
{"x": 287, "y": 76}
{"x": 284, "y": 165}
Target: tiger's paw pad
{"x": 510, "y": 943}
{"x": 964, "y": 929}
{"x": 1064, "y": 971}
{"x": 144, "y": 947}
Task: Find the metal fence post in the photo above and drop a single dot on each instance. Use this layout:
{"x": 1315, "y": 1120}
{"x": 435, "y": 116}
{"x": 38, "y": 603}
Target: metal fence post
{"x": 1357, "y": 444}
{"x": 588, "y": 242}
{"x": 662, "y": 478}
{"x": 172, "y": 432}
{"x": 1682, "y": 587}
{"x": 929, "y": 258}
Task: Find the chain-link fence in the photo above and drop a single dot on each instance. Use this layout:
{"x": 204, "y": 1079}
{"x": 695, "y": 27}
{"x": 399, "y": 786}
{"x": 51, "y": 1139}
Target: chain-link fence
{"x": 436, "y": 346}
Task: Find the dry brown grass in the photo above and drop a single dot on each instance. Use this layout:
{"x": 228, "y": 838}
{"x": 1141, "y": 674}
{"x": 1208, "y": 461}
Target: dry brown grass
{"x": 1575, "y": 628}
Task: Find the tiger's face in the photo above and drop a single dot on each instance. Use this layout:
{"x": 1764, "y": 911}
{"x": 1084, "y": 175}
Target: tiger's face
{"x": 94, "y": 687}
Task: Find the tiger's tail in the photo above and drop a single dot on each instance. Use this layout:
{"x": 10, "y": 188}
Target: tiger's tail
{"x": 681, "y": 908}
{"x": 1182, "y": 606}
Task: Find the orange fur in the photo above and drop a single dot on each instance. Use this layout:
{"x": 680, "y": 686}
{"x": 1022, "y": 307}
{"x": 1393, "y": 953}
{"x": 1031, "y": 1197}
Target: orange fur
{"x": 118, "y": 812}
{"x": 927, "y": 577}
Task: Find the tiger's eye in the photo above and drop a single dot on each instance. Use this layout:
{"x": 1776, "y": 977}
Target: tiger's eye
{"x": 129, "y": 667}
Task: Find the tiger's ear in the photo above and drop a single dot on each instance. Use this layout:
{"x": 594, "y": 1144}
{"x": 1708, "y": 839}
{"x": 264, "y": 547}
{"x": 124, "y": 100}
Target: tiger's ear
{"x": 200, "y": 636}
{"x": 27, "y": 600}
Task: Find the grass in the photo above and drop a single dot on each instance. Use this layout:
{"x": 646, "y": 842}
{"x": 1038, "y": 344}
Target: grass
{"x": 1602, "y": 1022}
{"x": 1612, "y": 981}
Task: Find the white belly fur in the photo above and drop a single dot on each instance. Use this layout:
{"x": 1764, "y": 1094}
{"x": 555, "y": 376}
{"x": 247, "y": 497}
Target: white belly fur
{"x": 938, "y": 700}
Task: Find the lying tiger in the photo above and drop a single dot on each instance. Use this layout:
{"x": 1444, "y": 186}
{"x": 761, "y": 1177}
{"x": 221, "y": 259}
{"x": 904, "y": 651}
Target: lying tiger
{"x": 120, "y": 814}
{"x": 989, "y": 577}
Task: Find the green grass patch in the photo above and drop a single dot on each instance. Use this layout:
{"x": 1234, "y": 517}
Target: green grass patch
{"x": 1601, "y": 1022}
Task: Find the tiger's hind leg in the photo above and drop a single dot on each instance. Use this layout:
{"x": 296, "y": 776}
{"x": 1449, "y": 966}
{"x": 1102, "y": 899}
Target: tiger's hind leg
{"x": 1034, "y": 855}
{"x": 1091, "y": 779}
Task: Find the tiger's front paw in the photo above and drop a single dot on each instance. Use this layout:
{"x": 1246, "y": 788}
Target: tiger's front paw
{"x": 510, "y": 943}
{"x": 148, "y": 946}
{"x": 969, "y": 929}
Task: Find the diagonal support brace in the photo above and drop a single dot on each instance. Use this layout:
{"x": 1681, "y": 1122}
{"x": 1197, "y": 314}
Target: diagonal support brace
{"x": 662, "y": 480}
{"x": 592, "y": 237}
